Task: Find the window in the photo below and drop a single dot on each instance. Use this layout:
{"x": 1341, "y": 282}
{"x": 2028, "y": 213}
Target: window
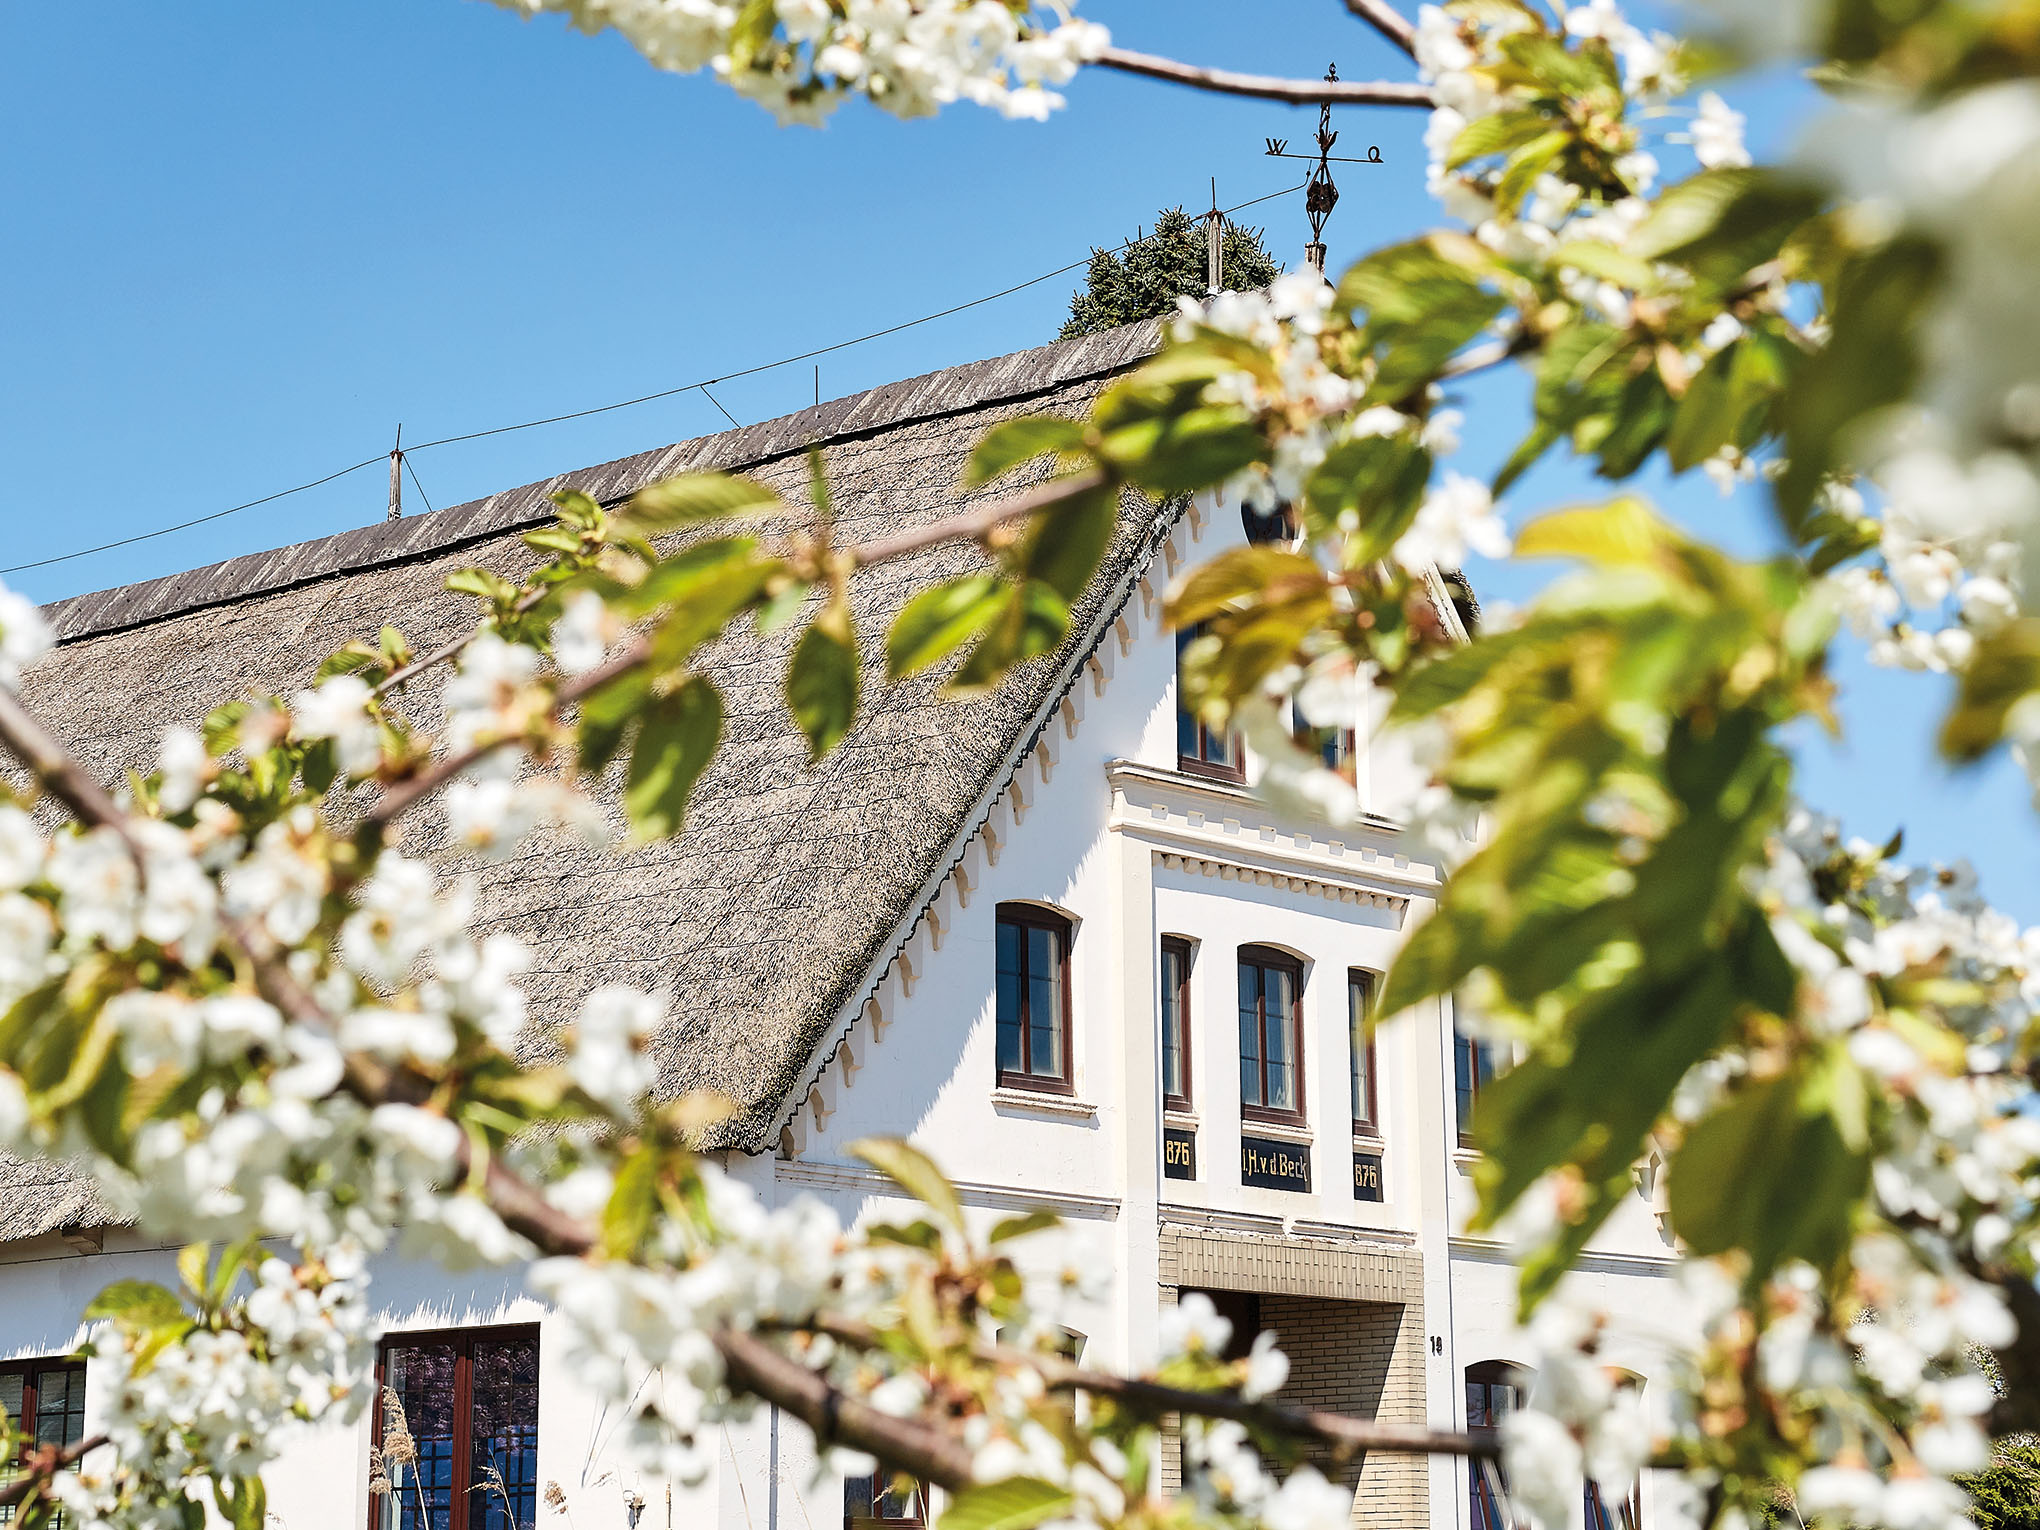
{"x": 1276, "y": 525}
{"x": 1359, "y": 1003}
{"x": 1493, "y": 1390}
{"x": 1034, "y": 998}
{"x": 883, "y": 1500}
{"x": 45, "y": 1401}
{"x": 1175, "y": 1023}
{"x": 1200, "y": 749}
{"x": 1473, "y": 1067}
{"x": 456, "y": 1434}
{"x": 1271, "y": 1035}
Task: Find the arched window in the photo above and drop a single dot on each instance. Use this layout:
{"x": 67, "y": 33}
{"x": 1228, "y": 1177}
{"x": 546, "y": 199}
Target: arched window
{"x": 1271, "y": 1035}
{"x": 1494, "y": 1390}
{"x": 1034, "y": 999}
{"x": 1625, "y": 1512}
{"x": 1276, "y": 525}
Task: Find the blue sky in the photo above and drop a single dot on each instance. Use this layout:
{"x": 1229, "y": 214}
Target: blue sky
{"x": 244, "y": 241}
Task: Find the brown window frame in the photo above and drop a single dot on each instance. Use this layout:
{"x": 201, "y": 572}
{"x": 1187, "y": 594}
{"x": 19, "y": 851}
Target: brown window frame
{"x": 1032, "y": 916}
{"x": 916, "y": 1518}
{"x": 31, "y": 1373}
{"x": 1271, "y": 956}
{"x": 1366, "y": 1112}
{"x": 1184, "y": 951}
{"x": 462, "y": 1341}
{"x": 1194, "y": 736}
{"x": 1466, "y": 1094}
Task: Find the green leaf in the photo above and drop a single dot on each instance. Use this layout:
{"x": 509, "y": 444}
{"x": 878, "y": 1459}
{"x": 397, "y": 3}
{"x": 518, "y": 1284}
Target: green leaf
{"x": 677, "y": 739}
{"x": 137, "y": 1306}
{"x": 1622, "y": 531}
{"x": 692, "y": 497}
{"x": 483, "y": 584}
{"x": 1017, "y": 1503}
{"x": 1236, "y": 577}
{"x": 2004, "y": 671}
{"x": 1006, "y": 445}
{"x": 1548, "y": 62}
{"x": 1721, "y": 224}
{"x": 822, "y": 679}
{"x": 1772, "y": 1172}
{"x": 1378, "y": 480}
{"x": 1021, "y": 1226}
{"x": 1527, "y": 164}
{"x": 1606, "y": 262}
{"x": 1869, "y": 361}
{"x": 914, "y": 1172}
{"x": 553, "y": 539}
{"x": 608, "y": 715}
{"x": 1064, "y": 544}
{"x": 1495, "y": 134}
{"x": 633, "y": 1208}
{"x": 940, "y": 620}
{"x": 243, "y": 1500}
{"x": 192, "y": 1262}
{"x": 1707, "y": 415}
{"x": 1033, "y": 621}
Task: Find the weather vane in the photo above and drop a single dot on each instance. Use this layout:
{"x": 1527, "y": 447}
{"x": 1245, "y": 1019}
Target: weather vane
{"x": 1321, "y": 194}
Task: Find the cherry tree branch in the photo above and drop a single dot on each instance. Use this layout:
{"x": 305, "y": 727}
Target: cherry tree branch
{"x": 44, "y": 1464}
{"x": 1269, "y": 87}
{"x": 1388, "y": 21}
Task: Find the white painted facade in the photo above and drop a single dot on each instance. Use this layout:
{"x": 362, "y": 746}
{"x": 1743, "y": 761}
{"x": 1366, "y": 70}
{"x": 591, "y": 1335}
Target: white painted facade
{"x": 1099, "y": 823}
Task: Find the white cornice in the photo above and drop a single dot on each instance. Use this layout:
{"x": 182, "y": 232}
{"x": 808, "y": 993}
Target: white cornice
{"x": 1494, "y": 1251}
{"x": 1230, "y": 830}
{"x": 859, "y": 1179}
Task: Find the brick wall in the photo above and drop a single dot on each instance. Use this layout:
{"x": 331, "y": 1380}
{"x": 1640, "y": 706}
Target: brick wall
{"x": 1351, "y": 1322}
{"x": 1364, "y": 1359}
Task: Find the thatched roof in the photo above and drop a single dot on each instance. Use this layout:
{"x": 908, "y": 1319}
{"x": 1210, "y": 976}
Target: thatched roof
{"x": 791, "y": 882}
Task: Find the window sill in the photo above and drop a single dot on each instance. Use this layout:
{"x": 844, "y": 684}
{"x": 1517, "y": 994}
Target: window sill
{"x": 1277, "y": 1131}
{"x": 1367, "y": 1141}
{"x": 1029, "y": 1101}
{"x": 1464, "y": 1158}
{"x": 1188, "y": 1119}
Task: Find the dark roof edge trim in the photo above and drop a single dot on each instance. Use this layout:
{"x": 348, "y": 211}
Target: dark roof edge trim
{"x": 859, "y": 416}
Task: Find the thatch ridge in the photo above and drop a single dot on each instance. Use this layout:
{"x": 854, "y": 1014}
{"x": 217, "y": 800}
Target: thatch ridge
{"x": 855, "y": 417}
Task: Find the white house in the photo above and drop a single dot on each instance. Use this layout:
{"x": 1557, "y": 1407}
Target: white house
{"x": 1051, "y": 934}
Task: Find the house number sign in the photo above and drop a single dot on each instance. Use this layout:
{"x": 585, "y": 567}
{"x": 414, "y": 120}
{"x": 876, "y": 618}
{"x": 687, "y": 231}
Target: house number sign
{"x": 1274, "y": 1165}
{"x": 1366, "y": 1176}
{"x": 1179, "y": 1153}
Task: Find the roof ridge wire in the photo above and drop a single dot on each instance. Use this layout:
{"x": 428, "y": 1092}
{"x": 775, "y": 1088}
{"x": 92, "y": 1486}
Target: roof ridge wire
{"x": 580, "y": 414}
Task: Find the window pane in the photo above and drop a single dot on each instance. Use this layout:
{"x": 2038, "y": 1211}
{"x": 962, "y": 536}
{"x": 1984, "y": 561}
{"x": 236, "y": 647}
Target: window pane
{"x": 1463, "y": 1063}
{"x": 418, "y": 1437}
{"x": 1356, "y": 1026}
{"x": 12, "y": 1386}
{"x": 1173, "y": 964}
{"x": 1278, "y": 1016}
{"x": 1009, "y": 997}
{"x": 1250, "y": 1034}
{"x": 503, "y": 1470}
{"x": 1044, "y": 1002}
{"x": 1187, "y": 730}
{"x": 60, "y": 1405}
